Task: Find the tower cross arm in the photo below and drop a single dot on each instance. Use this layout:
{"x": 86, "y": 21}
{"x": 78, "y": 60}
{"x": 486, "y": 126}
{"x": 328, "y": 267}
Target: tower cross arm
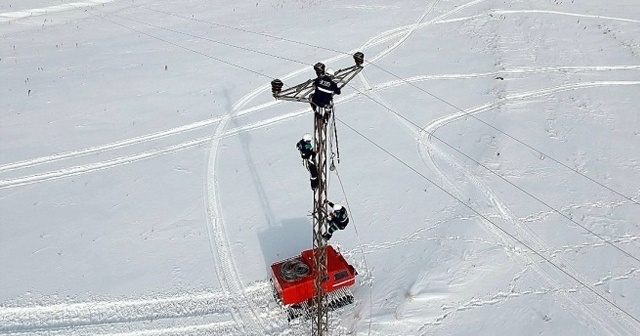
{"x": 302, "y": 91}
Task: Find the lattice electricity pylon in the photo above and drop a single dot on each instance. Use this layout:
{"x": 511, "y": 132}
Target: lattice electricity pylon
{"x": 301, "y": 92}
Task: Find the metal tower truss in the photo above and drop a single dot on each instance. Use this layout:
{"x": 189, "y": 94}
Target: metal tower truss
{"x": 320, "y": 320}
{"x": 301, "y": 93}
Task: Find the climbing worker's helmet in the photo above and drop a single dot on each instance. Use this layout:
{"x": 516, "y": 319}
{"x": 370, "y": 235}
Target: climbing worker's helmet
{"x": 307, "y": 137}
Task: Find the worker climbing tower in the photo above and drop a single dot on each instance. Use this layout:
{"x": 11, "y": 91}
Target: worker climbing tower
{"x": 330, "y": 272}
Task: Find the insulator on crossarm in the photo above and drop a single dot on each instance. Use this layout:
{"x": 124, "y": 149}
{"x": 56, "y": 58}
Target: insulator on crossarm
{"x": 359, "y": 58}
{"x": 276, "y": 86}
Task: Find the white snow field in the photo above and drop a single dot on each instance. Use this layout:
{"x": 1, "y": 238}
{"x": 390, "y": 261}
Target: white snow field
{"x": 489, "y": 159}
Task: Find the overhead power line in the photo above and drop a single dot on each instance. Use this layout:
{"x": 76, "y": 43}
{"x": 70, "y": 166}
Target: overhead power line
{"x": 389, "y": 153}
{"x": 432, "y": 134}
{"x": 183, "y": 47}
{"x": 394, "y": 112}
{"x": 628, "y": 198}
{"x": 519, "y": 241}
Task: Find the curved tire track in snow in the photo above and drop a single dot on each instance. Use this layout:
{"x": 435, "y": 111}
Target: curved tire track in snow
{"x": 433, "y": 127}
{"x": 227, "y": 270}
{"x": 503, "y": 209}
{"x": 367, "y": 85}
{"x": 77, "y": 315}
{"x": 125, "y": 143}
{"x": 27, "y": 13}
{"x": 244, "y": 314}
{"x": 580, "y": 300}
{"x": 107, "y": 147}
{"x": 101, "y": 165}
{"x": 203, "y": 329}
{"x": 487, "y": 191}
{"x": 406, "y": 33}
{"x": 588, "y": 16}
{"x": 376, "y": 40}
{"x": 523, "y": 231}
{"x": 217, "y": 233}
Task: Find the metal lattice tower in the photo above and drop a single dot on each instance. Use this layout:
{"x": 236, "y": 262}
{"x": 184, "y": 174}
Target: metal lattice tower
{"x": 320, "y": 318}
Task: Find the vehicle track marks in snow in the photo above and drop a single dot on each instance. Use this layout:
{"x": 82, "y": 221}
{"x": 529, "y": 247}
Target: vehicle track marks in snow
{"x": 125, "y": 143}
{"x": 26, "y": 319}
{"x": 580, "y": 301}
{"x": 208, "y": 122}
{"x": 244, "y": 314}
{"x": 227, "y": 268}
{"x": 91, "y": 318}
{"x": 431, "y": 128}
{"x": 107, "y": 147}
{"x": 533, "y": 11}
{"x": 504, "y": 211}
{"x": 88, "y": 168}
{"x": 77, "y": 170}
{"x": 404, "y": 37}
{"x": 27, "y": 13}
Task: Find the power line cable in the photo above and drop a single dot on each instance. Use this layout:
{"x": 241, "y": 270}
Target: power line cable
{"x": 510, "y": 136}
{"x": 500, "y": 176}
{"x": 364, "y": 258}
{"x": 436, "y": 97}
{"x": 206, "y": 38}
{"x": 244, "y": 30}
{"x": 548, "y": 260}
{"x": 185, "y": 48}
{"x": 630, "y": 199}
{"x": 411, "y": 122}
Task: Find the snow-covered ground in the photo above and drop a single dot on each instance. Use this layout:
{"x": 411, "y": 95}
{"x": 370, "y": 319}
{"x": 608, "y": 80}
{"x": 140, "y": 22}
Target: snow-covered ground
{"x": 489, "y": 157}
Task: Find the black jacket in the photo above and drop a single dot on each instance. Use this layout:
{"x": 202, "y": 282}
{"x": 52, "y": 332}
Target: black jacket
{"x": 325, "y": 89}
{"x": 306, "y": 149}
{"x": 339, "y": 218}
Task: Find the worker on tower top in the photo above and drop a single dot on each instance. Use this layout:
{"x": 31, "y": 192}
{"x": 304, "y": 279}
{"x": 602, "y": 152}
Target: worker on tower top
{"x": 325, "y": 88}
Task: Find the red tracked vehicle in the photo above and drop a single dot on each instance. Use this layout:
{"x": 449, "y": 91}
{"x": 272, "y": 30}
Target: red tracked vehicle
{"x": 293, "y": 282}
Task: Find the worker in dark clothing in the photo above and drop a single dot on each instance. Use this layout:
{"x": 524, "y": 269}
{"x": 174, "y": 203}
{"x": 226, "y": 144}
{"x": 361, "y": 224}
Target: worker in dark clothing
{"x": 307, "y": 153}
{"x": 305, "y": 147}
{"x": 338, "y": 220}
{"x": 325, "y": 88}
{"x": 313, "y": 170}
